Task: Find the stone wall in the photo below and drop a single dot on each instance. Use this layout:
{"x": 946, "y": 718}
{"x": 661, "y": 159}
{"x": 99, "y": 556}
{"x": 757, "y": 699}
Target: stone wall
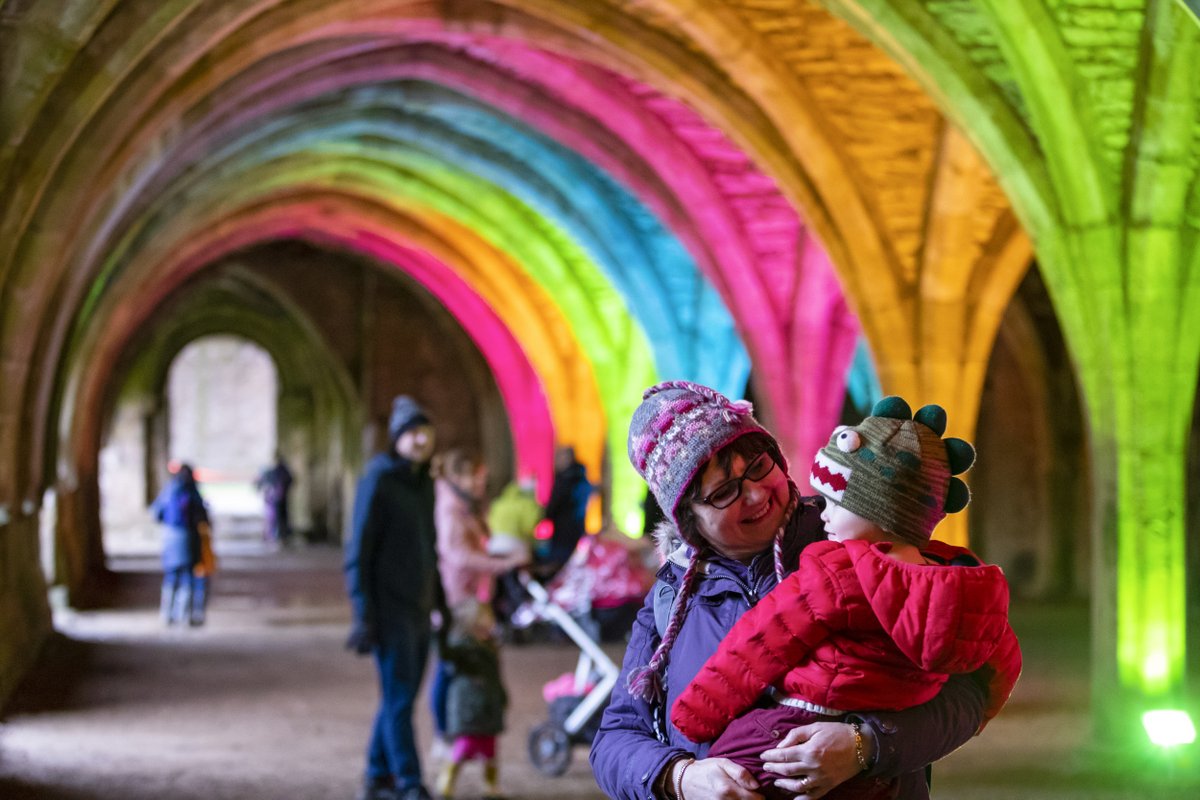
{"x": 24, "y": 609}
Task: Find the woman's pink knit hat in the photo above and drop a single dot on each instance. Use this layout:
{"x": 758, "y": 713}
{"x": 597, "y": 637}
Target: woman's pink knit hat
{"x": 675, "y": 431}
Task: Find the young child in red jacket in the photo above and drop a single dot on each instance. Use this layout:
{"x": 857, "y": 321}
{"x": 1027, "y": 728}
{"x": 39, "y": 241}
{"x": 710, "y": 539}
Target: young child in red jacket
{"x": 877, "y": 617}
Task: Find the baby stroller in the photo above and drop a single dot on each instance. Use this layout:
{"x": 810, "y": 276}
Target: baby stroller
{"x": 575, "y": 714}
{"x": 601, "y": 587}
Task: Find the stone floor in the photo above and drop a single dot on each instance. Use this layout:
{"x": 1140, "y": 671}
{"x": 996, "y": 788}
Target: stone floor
{"x": 264, "y": 703}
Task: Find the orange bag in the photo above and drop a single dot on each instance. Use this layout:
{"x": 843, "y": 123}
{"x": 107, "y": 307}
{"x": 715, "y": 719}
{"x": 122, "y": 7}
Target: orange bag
{"x": 207, "y": 565}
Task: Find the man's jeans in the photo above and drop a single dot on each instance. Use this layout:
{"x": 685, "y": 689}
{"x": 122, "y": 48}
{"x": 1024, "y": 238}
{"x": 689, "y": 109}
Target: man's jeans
{"x": 400, "y": 658}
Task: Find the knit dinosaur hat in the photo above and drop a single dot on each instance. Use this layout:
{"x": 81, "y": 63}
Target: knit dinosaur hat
{"x": 675, "y": 431}
{"x": 895, "y": 470}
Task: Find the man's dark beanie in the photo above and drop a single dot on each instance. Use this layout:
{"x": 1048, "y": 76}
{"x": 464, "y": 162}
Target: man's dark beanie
{"x": 405, "y": 414}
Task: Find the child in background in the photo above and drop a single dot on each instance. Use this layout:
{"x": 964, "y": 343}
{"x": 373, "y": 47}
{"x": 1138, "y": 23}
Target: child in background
{"x": 875, "y": 618}
{"x": 468, "y": 572}
{"x": 475, "y": 697}
{"x": 512, "y": 518}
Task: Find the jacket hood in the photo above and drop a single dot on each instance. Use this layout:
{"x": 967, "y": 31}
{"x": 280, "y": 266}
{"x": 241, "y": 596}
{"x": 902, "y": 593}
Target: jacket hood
{"x": 513, "y": 491}
{"x": 669, "y": 544}
{"x": 574, "y": 470}
{"x": 945, "y": 620}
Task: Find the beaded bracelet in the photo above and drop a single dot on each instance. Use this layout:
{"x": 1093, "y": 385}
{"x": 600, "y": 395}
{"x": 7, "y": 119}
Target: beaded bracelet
{"x": 859, "y": 755}
{"x": 679, "y": 778}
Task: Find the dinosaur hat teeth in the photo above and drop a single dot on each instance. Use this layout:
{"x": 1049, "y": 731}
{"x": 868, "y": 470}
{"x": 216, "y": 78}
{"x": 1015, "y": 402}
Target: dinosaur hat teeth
{"x": 829, "y": 478}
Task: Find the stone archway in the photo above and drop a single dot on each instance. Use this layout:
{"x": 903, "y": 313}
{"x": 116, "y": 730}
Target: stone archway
{"x": 316, "y": 405}
{"x": 220, "y": 406}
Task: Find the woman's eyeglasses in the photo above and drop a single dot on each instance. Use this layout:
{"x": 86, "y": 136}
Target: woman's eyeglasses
{"x": 725, "y": 494}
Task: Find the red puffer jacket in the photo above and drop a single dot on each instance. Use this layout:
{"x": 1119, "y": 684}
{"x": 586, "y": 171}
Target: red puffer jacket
{"x": 855, "y": 630}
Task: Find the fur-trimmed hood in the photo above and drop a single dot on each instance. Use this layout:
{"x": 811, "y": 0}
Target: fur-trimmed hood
{"x": 669, "y": 544}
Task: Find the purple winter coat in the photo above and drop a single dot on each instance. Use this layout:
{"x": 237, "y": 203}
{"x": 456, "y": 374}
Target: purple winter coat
{"x": 627, "y": 755}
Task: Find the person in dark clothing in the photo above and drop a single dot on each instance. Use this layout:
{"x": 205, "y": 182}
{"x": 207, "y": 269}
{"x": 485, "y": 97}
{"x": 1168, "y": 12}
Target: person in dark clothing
{"x": 392, "y": 579}
{"x": 275, "y": 482}
{"x": 652, "y": 514}
{"x": 181, "y": 510}
{"x": 566, "y": 509}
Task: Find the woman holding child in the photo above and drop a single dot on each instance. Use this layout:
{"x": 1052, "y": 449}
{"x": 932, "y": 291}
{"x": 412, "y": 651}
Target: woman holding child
{"x": 735, "y": 521}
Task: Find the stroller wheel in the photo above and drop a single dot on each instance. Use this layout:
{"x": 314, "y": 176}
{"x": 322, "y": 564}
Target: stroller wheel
{"x": 550, "y": 748}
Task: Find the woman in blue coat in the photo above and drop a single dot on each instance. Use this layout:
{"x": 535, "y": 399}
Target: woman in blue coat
{"x": 181, "y": 510}
{"x": 735, "y": 519}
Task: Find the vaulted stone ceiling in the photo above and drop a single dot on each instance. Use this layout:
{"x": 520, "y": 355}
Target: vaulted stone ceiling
{"x": 930, "y": 148}
{"x": 342, "y": 93}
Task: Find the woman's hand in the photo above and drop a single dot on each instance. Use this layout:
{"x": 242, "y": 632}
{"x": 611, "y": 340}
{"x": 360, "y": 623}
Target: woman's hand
{"x": 716, "y": 779}
{"x": 813, "y": 759}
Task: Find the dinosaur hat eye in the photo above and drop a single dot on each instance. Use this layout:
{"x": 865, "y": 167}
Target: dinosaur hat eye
{"x": 847, "y": 440}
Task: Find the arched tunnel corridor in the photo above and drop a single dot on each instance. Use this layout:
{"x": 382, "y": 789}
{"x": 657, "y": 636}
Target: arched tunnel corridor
{"x": 219, "y": 396}
{"x": 523, "y": 213}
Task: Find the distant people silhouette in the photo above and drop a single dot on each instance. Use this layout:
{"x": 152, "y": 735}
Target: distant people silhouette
{"x": 566, "y": 509}
{"x": 275, "y": 483}
{"x": 181, "y": 511}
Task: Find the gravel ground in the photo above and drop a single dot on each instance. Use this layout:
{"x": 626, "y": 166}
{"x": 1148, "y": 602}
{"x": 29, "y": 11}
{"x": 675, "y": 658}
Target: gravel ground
{"x": 263, "y": 702}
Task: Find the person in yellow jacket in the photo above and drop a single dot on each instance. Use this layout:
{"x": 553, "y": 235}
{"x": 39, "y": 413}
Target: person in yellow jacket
{"x": 512, "y": 518}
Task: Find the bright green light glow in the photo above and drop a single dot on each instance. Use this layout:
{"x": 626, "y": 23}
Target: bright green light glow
{"x": 1154, "y": 667}
{"x": 1169, "y": 728}
{"x": 1150, "y": 447}
{"x": 633, "y": 524}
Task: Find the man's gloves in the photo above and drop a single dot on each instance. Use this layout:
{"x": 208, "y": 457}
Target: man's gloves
{"x": 361, "y": 639}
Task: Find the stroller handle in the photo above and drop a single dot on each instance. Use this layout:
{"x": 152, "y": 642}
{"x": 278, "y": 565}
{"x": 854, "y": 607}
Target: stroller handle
{"x": 535, "y": 589}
